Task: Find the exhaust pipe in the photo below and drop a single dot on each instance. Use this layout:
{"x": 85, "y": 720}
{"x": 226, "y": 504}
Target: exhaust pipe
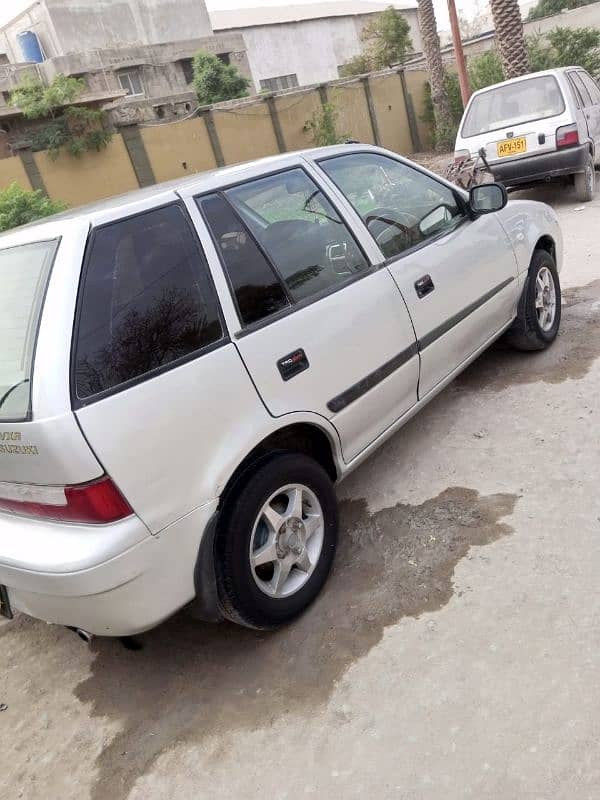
{"x": 85, "y": 636}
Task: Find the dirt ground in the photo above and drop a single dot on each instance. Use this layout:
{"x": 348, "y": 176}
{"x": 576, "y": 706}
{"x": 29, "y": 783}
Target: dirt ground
{"x": 455, "y": 652}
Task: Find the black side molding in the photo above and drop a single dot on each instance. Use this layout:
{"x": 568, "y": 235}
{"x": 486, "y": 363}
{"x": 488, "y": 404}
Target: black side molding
{"x": 436, "y": 333}
{"x": 362, "y": 387}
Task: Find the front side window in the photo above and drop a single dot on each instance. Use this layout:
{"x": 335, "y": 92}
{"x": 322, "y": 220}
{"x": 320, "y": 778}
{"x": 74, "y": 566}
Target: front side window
{"x": 24, "y": 272}
{"x": 513, "y": 104}
{"x": 401, "y": 206}
{"x": 302, "y": 234}
{"x": 146, "y": 301}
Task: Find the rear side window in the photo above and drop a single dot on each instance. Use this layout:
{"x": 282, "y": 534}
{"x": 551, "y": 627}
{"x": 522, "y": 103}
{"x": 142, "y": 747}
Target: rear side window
{"x": 24, "y": 273}
{"x": 513, "y": 104}
{"x": 146, "y": 303}
{"x": 591, "y": 86}
{"x": 256, "y": 289}
{"x": 584, "y": 95}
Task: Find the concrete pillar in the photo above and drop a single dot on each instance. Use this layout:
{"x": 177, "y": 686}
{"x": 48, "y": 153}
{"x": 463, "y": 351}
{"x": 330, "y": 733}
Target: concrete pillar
{"x": 207, "y": 116}
{"x": 410, "y": 114}
{"x": 371, "y": 107}
{"x": 270, "y": 101}
{"x": 31, "y": 168}
{"x": 138, "y": 155}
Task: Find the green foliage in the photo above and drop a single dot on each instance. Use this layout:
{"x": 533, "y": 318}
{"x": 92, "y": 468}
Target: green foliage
{"x": 37, "y": 101}
{"x": 545, "y": 8}
{"x": 484, "y": 70}
{"x": 356, "y": 66}
{"x": 215, "y": 81}
{"x": 17, "y": 206}
{"x": 323, "y": 126}
{"x": 562, "y": 47}
{"x": 388, "y": 35}
{"x": 74, "y": 128}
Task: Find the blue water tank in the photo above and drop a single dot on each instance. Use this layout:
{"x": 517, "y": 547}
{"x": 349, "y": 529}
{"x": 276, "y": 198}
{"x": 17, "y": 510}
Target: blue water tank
{"x": 30, "y": 47}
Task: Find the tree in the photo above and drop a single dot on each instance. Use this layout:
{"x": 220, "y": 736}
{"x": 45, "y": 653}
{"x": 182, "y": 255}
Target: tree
{"x": 322, "y": 126}
{"x": 435, "y": 67}
{"x": 388, "y": 39}
{"x": 76, "y": 128}
{"x": 18, "y": 207}
{"x": 546, "y": 8}
{"x": 562, "y": 47}
{"x": 356, "y": 66}
{"x": 509, "y": 37}
{"x": 215, "y": 81}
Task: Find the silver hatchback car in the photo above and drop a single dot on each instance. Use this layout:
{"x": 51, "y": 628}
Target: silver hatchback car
{"x": 185, "y": 372}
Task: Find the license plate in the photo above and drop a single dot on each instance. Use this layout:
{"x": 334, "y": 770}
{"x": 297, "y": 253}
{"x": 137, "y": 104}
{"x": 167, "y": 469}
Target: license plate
{"x": 5, "y": 609}
{"x": 512, "y": 147}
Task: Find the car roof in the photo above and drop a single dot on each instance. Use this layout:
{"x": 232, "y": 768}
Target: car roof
{"x": 132, "y": 202}
{"x": 541, "y": 73}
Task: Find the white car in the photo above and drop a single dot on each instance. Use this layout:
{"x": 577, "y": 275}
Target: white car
{"x": 186, "y": 371}
{"x": 536, "y": 128}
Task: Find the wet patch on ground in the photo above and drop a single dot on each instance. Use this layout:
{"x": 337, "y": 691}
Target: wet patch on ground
{"x": 570, "y": 357}
{"x": 192, "y": 680}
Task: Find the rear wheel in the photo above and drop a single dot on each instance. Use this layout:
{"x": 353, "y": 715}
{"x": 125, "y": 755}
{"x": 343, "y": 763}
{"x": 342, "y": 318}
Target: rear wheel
{"x": 538, "y": 318}
{"x": 585, "y": 182}
{"x": 276, "y": 541}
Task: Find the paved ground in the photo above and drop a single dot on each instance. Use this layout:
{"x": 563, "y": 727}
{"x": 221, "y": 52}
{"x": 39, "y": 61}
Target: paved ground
{"x": 456, "y": 651}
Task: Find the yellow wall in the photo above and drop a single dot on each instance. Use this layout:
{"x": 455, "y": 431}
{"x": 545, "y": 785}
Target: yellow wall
{"x": 392, "y": 119}
{"x": 294, "y": 111}
{"x": 245, "y": 132}
{"x": 415, "y": 85}
{"x": 89, "y": 177}
{"x": 13, "y": 171}
{"x": 353, "y": 112}
{"x": 171, "y": 146}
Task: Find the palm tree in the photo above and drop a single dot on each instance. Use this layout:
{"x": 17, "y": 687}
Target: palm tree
{"x": 435, "y": 67}
{"x": 509, "y": 37}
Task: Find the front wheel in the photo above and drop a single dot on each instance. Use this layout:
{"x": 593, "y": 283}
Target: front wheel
{"x": 538, "y": 318}
{"x": 276, "y": 541}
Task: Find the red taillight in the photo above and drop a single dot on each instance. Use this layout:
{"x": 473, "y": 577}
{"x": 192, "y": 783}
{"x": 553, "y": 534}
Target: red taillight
{"x": 96, "y": 502}
{"x": 567, "y": 136}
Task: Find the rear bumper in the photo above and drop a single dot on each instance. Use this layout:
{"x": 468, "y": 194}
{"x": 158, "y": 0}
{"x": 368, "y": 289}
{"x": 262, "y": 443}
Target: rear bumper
{"x": 117, "y": 580}
{"x": 531, "y": 169}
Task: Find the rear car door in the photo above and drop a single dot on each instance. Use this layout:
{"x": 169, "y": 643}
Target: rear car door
{"x": 591, "y": 99}
{"x": 321, "y": 329}
{"x": 457, "y": 275}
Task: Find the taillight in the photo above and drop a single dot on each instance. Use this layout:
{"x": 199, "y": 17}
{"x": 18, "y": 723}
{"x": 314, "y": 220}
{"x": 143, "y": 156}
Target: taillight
{"x": 567, "y": 136}
{"x": 97, "y": 502}
{"x": 461, "y": 155}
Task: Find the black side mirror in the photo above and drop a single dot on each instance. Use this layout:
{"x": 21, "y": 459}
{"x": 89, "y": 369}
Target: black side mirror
{"x": 487, "y": 198}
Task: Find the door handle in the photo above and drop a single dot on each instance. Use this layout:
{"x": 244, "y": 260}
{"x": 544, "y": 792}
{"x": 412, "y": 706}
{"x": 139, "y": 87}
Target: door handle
{"x": 292, "y": 364}
{"x": 424, "y": 286}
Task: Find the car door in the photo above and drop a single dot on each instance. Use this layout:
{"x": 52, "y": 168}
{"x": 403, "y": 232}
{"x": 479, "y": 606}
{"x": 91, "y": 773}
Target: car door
{"x": 589, "y": 112}
{"x": 457, "y": 275}
{"x": 320, "y": 329}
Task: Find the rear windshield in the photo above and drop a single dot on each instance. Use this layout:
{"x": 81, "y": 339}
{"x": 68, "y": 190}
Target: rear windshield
{"x": 514, "y": 104}
{"x": 24, "y": 272}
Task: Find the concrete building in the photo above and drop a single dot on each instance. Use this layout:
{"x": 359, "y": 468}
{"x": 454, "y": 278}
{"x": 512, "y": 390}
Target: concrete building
{"x": 134, "y": 55}
{"x": 296, "y": 45}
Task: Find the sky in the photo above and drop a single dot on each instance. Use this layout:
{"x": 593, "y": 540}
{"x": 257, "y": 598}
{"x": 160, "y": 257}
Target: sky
{"x": 10, "y": 8}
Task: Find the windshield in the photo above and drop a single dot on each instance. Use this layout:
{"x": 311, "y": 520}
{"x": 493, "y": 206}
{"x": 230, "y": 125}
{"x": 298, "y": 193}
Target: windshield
{"x": 513, "y": 104}
{"x": 24, "y": 272}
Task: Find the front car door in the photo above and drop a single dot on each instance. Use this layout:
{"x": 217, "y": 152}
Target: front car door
{"x": 457, "y": 275}
{"x": 320, "y": 328}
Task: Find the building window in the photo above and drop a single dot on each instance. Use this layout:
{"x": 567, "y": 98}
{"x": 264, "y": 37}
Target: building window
{"x": 131, "y": 82}
{"x": 187, "y": 67}
{"x": 281, "y": 82}
{"x": 225, "y": 58}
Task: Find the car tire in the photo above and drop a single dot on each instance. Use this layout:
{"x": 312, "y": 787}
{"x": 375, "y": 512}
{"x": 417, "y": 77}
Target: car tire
{"x": 585, "y": 182}
{"x": 266, "y": 520}
{"x": 539, "y": 312}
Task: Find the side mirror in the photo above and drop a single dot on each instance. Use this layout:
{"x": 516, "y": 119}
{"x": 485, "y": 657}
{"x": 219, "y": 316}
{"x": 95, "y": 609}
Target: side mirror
{"x": 487, "y": 198}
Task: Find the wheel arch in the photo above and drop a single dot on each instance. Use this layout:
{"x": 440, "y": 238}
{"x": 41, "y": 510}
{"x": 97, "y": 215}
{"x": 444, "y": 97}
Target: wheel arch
{"x": 546, "y": 243}
{"x": 302, "y": 437}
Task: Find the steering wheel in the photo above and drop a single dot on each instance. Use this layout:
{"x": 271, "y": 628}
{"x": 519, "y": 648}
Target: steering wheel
{"x": 389, "y": 217}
